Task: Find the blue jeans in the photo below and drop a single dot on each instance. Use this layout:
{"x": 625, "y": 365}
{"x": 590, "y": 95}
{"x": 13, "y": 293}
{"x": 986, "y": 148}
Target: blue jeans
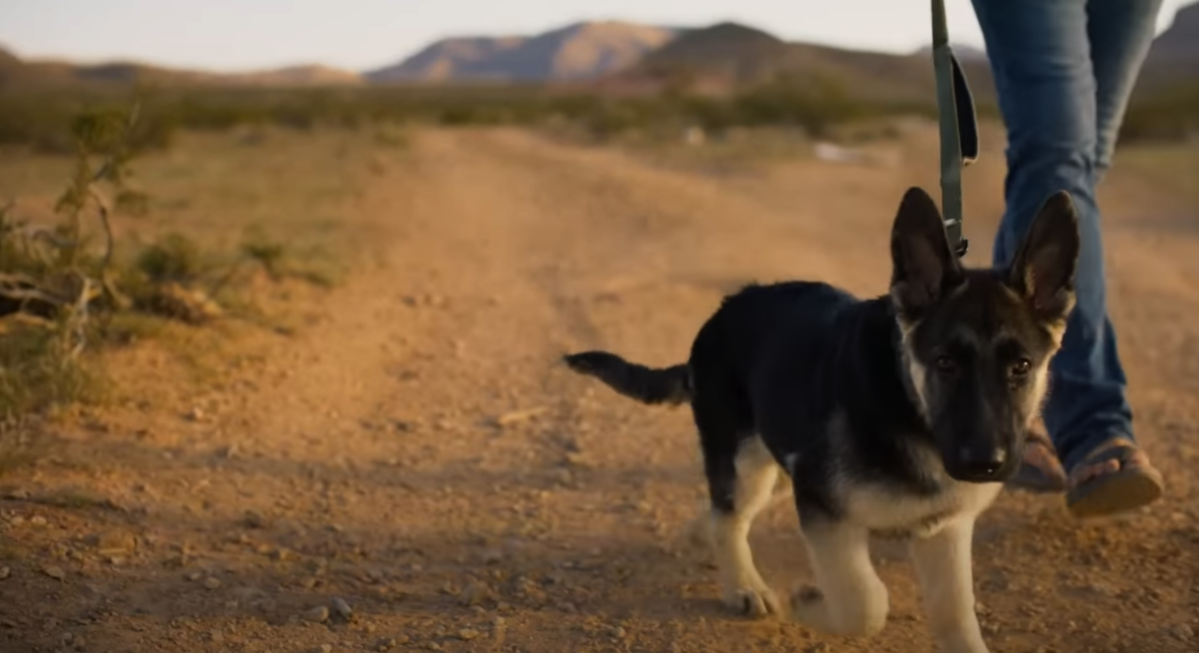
{"x": 1064, "y": 70}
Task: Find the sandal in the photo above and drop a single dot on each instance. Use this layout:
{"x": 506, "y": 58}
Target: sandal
{"x": 1115, "y": 478}
{"x": 1040, "y": 471}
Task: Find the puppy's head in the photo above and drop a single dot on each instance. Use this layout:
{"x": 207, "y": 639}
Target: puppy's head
{"x": 977, "y": 343}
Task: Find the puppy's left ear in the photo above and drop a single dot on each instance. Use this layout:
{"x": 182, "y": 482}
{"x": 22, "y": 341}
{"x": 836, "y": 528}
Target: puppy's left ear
{"x": 1044, "y": 268}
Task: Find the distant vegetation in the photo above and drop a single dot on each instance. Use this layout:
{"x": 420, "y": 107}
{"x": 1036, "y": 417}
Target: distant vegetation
{"x": 42, "y": 119}
{"x": 602, "y": 79}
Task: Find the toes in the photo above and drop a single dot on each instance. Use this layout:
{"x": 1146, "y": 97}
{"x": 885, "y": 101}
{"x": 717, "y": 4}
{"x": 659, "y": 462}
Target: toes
{"x": 808, "y": 594}
{"x": 753, "y": 604}
{"x": 807, "y": 608}
{"x": 773, "y": 606}
{"x": 1111, "y": 466}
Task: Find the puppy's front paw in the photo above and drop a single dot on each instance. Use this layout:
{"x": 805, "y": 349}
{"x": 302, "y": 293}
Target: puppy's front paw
{"x": 810, "y": 607}
{"x": 807, "y": 594}
{"x": 752, "y": 603}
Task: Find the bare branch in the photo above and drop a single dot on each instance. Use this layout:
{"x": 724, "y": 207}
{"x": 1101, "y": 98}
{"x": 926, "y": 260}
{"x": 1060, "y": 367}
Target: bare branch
{"x": 102, "y": 208}
{"x": 21, "y": 294}
{"x": 80, "y": 316}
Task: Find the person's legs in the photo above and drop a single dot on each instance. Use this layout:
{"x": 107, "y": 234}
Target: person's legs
{"x": 1041, "y": 58}
{"x": 1061, "y": 122}
{"x": 1120, "y": 33}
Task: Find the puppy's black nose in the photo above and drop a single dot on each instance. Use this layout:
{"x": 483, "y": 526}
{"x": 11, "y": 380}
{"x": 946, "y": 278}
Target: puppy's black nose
{"x": 981, "y": 462}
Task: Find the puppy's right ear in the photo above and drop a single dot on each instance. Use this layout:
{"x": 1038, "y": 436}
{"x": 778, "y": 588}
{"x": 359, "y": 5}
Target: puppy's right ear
{"x": 924, "y": 267}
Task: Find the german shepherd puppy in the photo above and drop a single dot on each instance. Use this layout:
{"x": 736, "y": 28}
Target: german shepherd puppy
{"x": 901, "y": 414}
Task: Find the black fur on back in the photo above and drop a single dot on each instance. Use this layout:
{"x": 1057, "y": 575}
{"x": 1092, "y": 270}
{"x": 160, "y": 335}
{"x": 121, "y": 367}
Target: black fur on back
{"x": 671, "y": 385}
{"x": 779, "y": 361}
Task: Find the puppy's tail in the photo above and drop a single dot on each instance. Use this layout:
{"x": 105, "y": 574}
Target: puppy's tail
{"x": 671, "y": 385}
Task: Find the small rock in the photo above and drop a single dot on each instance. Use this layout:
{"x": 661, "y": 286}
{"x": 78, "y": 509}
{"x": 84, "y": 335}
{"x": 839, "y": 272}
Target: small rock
{"x": 517, "y": 416}
{"x": 820, "y": 647}
{"x": 1184, "y": 632}
{"x": 317, "y": 615}
{"x": 474, "y": 594}
{"x": 619, "y": 632}
{"x": 56, "y": 573}
{"x": 211, "y": 583}
{"x": 433, "y": 646}
{"x": 563, "y": 477}
{"x": 326, "y": 648}
{"x": 467, "y": 634}
{"x": 493, "y": 556}
{"x": 251, "y": 519}
{"x": 578, "y": 459}
{"x": 194, "y": 576}
{"x": 216, "y": 637}
{"x": 5, "y": 572}
{"x": 112, "y": 543}
{"x": 37, "y": 520}
{"x": 386, "y": 644}
{"x": 342, "y": 608}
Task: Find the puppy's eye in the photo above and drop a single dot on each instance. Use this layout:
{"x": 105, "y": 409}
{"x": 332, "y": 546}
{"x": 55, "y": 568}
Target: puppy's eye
{"x": 1022, "y": 367}
{"x": 946, "y": 365}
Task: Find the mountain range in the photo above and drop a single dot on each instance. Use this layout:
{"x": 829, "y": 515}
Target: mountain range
{"x": 575, "y": 52}
{"x": 15, "y": 71}
{"x": 619, "y": 55}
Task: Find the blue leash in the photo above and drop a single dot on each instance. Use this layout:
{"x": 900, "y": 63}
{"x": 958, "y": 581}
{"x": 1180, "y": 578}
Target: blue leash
{"x": 959, "y": 128}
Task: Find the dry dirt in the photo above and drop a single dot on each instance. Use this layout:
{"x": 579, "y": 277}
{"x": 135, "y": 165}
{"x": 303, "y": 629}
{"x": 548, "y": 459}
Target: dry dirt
{"x": 416, "y": 451}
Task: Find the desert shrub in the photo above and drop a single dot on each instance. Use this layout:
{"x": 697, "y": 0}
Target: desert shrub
{"x": 173, "y": 258}
{"x": 61, "y": 283}
{"x": 1171, "y": 114}
{"x": 40, "y": 369}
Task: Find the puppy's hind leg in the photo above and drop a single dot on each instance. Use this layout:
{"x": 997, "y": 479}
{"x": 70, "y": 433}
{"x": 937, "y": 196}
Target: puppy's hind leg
{"x": 740, "y": 486}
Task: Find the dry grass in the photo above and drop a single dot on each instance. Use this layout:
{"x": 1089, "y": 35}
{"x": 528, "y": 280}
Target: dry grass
{"x": 233, "y": 226}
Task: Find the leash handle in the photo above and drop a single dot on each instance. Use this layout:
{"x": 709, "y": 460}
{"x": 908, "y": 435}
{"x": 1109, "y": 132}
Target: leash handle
{"x": 958, "y": 126}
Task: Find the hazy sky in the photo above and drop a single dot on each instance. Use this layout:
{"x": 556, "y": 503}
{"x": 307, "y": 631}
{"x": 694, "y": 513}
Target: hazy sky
{"x": 358, "y": 34}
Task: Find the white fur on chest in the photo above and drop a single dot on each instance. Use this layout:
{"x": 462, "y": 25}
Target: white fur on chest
{"x": 879, "y": 508}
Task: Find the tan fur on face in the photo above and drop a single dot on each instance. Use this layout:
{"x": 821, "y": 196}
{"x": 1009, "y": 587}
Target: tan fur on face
{"x": 917, "y": 372}
{"x": 1057, "y": 328}
{"x": 1040, "y": 374}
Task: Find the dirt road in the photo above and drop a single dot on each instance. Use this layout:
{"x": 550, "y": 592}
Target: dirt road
{"x": 417, "y": 451}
